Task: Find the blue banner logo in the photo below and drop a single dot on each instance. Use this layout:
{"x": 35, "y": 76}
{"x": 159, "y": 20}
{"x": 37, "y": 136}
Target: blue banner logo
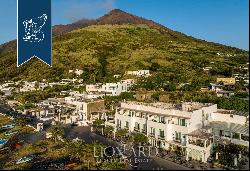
{"x": 34, "y": 31}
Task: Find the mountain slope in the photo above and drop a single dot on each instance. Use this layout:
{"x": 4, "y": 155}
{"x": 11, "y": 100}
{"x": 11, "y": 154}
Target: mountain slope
{"x": 118, "y": 42}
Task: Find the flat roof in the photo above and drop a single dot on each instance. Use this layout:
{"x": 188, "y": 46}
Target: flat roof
{"x": 154, "y": 113}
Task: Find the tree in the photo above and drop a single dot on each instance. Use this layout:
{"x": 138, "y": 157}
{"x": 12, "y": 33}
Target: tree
{"x": 121, "y": 133}
{"x": 169, "y": 87}
{"x": 57, "y": 132}
{"x": 154, "y": 67}
{"x": 108, "y": 130}
{"x": 75, "y": 149}
{"x": 140, "y": 138}
{"x": 99, "y": 123}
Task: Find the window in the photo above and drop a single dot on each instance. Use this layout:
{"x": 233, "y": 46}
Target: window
{"x": 118, "y": 123}
{"x": 152, "y": 131}
{"x": 181, "y": 122}
{"x": 162, "y": 119}
{"x": 137, "y": 125}
{"x": 235, "y": 135}
{"x": 161, "y": 133}
{"x": 127, "y": 124}
{"x": 144, "y": 127}
{"x": 177, "y": 136}
{"x": 231, "y": 116}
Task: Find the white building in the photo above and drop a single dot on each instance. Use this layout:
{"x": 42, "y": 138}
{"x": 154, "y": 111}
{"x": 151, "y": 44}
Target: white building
{"x": 84, "y": 108}
{"x": 93, "y": 87}
{"x": 113, "y": 89}
{"x": 231, "y": 126}
{"x": 216, "y": 87}
{"x": 29, "y": 86}
{"x": 145, "y": 73}
{"x": 183, "y": 126}
{"x": 76, "y": 71}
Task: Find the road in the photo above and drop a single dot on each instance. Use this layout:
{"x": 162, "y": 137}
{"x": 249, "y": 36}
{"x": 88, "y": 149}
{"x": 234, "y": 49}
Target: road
{"x": 72, "y": 132}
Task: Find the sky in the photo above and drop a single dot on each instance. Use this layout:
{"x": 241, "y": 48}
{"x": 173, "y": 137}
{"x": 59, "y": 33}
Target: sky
{"x": 220, "y": 21}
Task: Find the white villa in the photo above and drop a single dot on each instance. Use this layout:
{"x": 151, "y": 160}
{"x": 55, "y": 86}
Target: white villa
{"x": 190, "y": 127}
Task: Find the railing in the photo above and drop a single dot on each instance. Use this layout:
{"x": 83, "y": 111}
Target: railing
{"x": 136, "y": 129}
{"x": 151, "y": 134}
{"x": 177, "y": 140}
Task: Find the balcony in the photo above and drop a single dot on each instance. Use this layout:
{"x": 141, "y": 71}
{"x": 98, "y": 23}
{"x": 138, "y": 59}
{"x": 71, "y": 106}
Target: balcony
{"x": 177, "y": 140}
{"x": 152, "y": 134}
{"x": 160, "y": 137}
{"x": 144, "y": 131}
{"x": 136, "y": 129}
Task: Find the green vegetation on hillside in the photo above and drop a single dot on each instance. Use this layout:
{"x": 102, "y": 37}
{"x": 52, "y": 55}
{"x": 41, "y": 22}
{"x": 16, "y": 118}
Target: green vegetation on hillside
{"x": 104, "y": 50}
